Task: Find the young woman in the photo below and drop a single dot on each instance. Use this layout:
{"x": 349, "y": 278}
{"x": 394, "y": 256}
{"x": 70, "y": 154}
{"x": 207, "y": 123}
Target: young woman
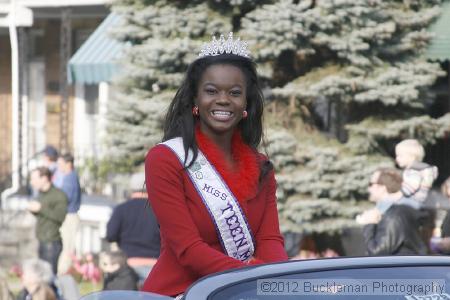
{"x": 212, "y": 192}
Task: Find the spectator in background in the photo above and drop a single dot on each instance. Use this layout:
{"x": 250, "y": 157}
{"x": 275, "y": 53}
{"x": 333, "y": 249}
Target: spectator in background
{"x": 445, "y": 228}
{"x": 50, "y": 157}
{"x": 50, "y": 211}
{"x": 442, "y": 244}
{"x": 5, "y": 293}
{"x": 396, "y": 232}
{"x": 87, "y": 268}
{"x": 133, "y": 226}
{"x": 37, "y": 280}
{"x": 70, "y": 185}
{"x": 382, "y": 204}
{"x": 117, "y": 274}
{"x": 418, "y": 177}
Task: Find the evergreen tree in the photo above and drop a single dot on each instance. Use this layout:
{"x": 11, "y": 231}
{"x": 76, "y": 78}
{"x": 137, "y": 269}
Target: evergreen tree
{"x": 165, "y": 37}
{"x": 352, "y": 70}
{"x": 346, "y": 80}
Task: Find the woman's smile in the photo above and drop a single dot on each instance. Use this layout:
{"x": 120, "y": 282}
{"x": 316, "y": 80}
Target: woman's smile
{"x": 222, "y": 115}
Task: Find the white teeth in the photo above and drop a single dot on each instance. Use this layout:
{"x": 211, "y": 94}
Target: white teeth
{"x": 222, "y": 113}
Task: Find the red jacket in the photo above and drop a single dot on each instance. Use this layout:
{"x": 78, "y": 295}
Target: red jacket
{"x": 190, "y": 248}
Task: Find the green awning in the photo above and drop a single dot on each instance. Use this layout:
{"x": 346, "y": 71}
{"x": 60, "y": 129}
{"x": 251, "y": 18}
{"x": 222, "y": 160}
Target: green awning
{"x": 96, "y": 60}
{"x": 439, "y": 48}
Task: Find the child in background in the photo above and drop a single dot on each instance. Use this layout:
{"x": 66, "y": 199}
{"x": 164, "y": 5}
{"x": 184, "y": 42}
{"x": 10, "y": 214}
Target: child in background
{"x": 117, "y": 275}
{"x": 87, "y": 269}
{"x": 418, "y": 177}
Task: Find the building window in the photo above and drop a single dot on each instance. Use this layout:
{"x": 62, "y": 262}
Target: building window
{"x": 91, "y": 98}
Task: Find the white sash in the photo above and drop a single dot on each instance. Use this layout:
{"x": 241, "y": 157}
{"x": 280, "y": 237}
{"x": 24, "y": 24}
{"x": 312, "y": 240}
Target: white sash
{"x": 230, "y": 222}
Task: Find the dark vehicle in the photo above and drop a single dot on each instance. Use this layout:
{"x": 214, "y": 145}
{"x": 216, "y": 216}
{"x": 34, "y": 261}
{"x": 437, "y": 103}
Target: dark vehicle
{"x": 122, "y": 295}
{"x": 392, "y": 277}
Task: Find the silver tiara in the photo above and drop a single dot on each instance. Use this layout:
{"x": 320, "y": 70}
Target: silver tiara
{"x": 221, "y": 46}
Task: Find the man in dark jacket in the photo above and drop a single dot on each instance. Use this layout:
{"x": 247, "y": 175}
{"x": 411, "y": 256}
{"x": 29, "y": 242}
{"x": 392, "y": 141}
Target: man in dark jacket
{"x": 133, "y": 226}
{"x": 50, "y": 211}
{"x": 117, "y": 275}
{"x": 395, "y": 232}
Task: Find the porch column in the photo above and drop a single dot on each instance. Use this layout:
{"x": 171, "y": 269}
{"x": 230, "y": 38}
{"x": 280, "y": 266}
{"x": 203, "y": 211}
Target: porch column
{"x": 65, "y": 52}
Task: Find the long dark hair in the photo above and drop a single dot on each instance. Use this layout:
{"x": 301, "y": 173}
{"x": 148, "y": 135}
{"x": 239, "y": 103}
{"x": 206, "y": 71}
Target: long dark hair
{"x": 180, "y": 122}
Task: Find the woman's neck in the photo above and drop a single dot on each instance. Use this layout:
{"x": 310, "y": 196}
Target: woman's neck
{"x": 224, "y": 146}
{"x": 223, "y": 142}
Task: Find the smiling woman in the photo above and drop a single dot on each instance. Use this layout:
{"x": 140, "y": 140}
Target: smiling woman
{"x": 212, "y": 192}
{"x": 221, "y": 100}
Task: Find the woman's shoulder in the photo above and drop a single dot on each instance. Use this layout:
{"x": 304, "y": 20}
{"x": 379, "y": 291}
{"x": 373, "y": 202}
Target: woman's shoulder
{"x": 162, "y": 149}
{"x": 266, "y": 167}
{"x": 264, "y": 160}
{"x": 262, "y": 157}
{"x": 161, "y": 154}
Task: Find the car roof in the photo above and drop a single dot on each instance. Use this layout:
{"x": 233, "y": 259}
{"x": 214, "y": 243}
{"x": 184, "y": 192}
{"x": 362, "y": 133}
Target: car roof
{"x": 210, "y": 283}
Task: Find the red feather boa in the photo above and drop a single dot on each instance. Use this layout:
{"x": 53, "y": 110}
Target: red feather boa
{"x": 243, "y": 177}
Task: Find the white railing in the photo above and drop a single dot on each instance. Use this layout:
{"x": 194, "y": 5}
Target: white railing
{"x": 94, "y": 215}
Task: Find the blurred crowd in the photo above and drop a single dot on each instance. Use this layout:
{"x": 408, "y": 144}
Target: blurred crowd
{"x": 400, "y": 223}
{"x": 405, "y": 218}
{"x": 55, "y": 273}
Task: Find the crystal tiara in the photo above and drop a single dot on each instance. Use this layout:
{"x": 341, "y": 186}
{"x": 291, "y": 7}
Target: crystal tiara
{"x": 222, "y": 46}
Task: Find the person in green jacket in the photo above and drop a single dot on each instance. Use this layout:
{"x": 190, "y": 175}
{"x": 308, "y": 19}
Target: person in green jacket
{"x": 50, "y": 210}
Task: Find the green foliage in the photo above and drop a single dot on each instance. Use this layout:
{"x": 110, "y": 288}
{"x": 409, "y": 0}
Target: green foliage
{"x": 274, "y": 28}
{"x": 135, "y": 125}
{"x": 368, "y": 135}
{"x": 348, "y": 76}
{"x": 319, "y": 180}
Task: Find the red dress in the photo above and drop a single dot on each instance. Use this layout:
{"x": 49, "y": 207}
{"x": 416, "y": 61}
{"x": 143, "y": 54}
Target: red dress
{"x": 190, "y": 248}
